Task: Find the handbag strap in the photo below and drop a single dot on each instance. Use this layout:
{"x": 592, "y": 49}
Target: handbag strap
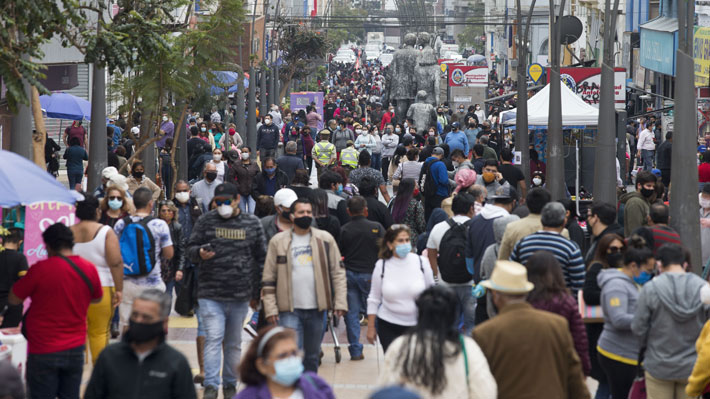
{"x": 80, "y": 273}
{"x": 465, "y": 356}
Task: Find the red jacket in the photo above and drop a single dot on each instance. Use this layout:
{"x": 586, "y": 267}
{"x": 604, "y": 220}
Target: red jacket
{"x": 566, "y": 306}
{"x": 386, "y": 118}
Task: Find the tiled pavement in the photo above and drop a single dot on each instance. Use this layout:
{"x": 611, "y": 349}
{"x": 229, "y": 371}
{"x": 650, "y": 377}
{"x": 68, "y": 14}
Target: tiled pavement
{"x": 349, "y": 379}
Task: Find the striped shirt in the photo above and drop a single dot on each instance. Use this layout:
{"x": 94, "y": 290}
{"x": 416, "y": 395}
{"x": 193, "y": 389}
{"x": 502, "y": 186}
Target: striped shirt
{"x": 564, "y": 250}
{"x": 663, "y": 234}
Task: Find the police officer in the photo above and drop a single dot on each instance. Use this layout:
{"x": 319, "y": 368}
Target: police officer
{"x": 348, "y": 157}
{"x": 324, "y": 152}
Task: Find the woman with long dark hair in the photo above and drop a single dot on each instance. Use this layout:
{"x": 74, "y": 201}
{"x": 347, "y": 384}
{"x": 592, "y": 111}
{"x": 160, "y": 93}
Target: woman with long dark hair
{"x": 433, "y": 358}
{"x": 609, "y": 253}
{"x": 324, "y": 219}
{"x": 408, "y": 210}
{"x": 551, "y": 294}
{"x": 397, "y": 280}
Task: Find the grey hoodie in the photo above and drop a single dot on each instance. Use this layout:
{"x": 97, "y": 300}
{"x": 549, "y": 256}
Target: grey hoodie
{"x": 669, "y": 318}
{"x": 618, "y": 299}
{"x": 490, "y": 255}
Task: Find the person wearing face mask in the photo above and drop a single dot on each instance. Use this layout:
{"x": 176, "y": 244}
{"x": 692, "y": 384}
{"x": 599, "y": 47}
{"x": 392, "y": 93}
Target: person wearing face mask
{"x": 137, "y": 180}
{"x": 203, "y": 190}
{"x": 267, "y": 139}
{"x": 490, "y": 178}
{"x": 167, "y": 129}
{"x": 390, "y": 140}
{"x": 637, "y": 204}
{"x": 342, "y": 135}
{"x": 243, "y": 174}
{"x": 618, "y": 347}
{"x": 220, "y": 165}
{"x": 365, "y": 141}
{"x": 235, "y": 139}
{"x": 388, "y": 117}
{"x": 229, "y": 246}
{"x": 460, "y": 115}
{"x": 281, "y": 220}
{"x": 273, "y": 368}
{"x": 456, "y": 139}
{"x": 270, "y": 180}
{"x": 399, "y": 277}
{"x": 313, "y": 270}
{"x": 143, "y": 355}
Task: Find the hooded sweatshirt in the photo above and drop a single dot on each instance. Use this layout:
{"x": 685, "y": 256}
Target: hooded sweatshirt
{"x": 490, "y": 255}
{"x": 619, "y": 297}
{"x": 636, "y": 208}
{"x": 669, "y": 318}
{"x": 481, "y": 235}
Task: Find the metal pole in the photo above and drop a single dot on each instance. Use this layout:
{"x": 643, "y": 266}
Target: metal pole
{"x": 263, "y": 106}
{"x": 684, "y": 171}
{"x": 521, "y": 115}
{"x": 97, "y": 141}
{"x": 251, "y": 113}
{"x": 241, "y": 124}
{"x": 182, "y": 152}
{"x": 555, "y": 154}
{"x": 21, "y": 134}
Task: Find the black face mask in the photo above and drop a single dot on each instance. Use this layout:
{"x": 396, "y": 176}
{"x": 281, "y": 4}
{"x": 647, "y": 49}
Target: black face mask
{"x": 211, "y": 176}
{"x": 286, "y": 214}
{"x": 647, "y": 193}
{"x": 138, "y": 175}
{"x": 614, "y": 259}
{"x": 144, "y": 332}
{"x": 303, "y": 222}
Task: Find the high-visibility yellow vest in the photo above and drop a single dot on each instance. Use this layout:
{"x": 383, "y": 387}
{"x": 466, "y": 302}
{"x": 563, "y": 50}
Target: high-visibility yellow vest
{"x": 348, "y": 157}
{"x": 324, "y": 150}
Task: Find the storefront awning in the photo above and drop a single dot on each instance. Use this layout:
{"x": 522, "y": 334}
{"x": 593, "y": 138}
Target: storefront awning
{"x": 659, "y": 43}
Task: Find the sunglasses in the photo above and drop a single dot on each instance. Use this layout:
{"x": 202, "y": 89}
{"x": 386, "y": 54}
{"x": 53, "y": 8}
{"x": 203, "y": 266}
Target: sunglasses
{"x": 615, "y": 249}
{"x": 115, "y": 198}
{"x": 223, "y": 202}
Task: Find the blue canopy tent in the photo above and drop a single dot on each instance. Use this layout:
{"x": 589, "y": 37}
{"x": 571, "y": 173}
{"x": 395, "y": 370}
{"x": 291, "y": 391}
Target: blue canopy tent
{"x": 65, "y": 106}
{"x": 24, "y": 183}
{"x": 227, "y": 82}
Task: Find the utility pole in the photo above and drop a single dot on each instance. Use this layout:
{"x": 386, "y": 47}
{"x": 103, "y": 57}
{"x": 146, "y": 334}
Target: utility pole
{"x": 555, "y": 154}
{"x": 241, "y": 124}
{"x": 684, "y": 171}
{"x": 521, "y": 116}
{"x": 263, "y": 102}
{"x": 604, "y": 164}
{"x": 251, "y": 96}
{"x": 97, "y": 140}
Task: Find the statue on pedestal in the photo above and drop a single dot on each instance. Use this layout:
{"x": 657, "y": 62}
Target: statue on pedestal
{"x": 401, "y": 80}
{"x": 428, "y": 75}
{"x": 422, "y": 113}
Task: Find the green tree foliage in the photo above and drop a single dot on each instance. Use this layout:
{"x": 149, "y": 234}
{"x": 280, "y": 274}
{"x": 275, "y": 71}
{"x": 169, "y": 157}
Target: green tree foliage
{"x": 471, "y": 35}
{"x": 302, "y": 50}
{"x": 348, "y": 23}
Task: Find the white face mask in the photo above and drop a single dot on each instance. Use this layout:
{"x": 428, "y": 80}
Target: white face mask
{"x": 165, "y": 118}
{"x": 704, "y": 203}
{"x": 225, "y": 210}
{"x": 537, "y": 181}
{"x": 183, "y": 197}
{"x": 267, "y": 121}
{"x": 245, "y": 156}
{"x": 358, "y": 131}
{"x": 432, "y": 133}
{"x": 397, "y": 130}
{"x": 217, "y": 157}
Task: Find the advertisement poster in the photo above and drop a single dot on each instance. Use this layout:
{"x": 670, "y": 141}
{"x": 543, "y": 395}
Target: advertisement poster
{"x": 300, "y": 100}
{"x": 585, "y": 82}
{"x": 468, "y": 76}
{"x": 701, "y": 56}
{"x": 38, "y": 217}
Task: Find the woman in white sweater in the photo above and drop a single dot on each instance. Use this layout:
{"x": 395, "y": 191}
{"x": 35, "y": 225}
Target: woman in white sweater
{"x": 398, "y": 279}
{"x": 434, "y": 359}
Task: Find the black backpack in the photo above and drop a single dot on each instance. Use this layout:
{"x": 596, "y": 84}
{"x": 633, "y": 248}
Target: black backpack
{"x": 428, "y": 189}
{"x": 452, "y": 257}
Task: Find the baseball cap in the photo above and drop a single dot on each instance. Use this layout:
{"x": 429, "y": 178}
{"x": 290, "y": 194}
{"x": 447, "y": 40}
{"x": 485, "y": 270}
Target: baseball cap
{"x": 285, "y": 197}
{"x": 506, "y": 191}
{"x": 438, "y": 151}
{"x": 324, "y": 132}
{"x": 349, "y": 142}
{"x": 226, "y": 190}
{"x": 108, "y": 172}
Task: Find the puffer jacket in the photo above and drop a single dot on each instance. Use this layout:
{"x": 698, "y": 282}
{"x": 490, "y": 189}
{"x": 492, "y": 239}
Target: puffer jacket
{"x": 329, "y": 271}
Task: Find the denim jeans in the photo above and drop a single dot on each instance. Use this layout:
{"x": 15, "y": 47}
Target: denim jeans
{"x": 308, "y": 323}
{"x": 74, "y": 179}
{"x": 358, "y": 289}
{"x": 376, "y": 161}
{"x": 247, "y": 204}
{"x": 55, "y": 375}
{"x": 468, "y": 307}
{"x": 172, "y": 285}
{"x": 222, "y": 322}
{"x": 647, "y": 158}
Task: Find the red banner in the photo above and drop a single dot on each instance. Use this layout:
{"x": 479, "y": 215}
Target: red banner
{"x": 468, "y": 76}
{"x": 585, "y": 82}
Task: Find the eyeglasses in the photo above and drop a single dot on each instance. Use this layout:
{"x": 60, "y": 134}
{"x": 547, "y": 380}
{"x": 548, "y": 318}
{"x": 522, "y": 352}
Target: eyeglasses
{"x": 614, "y": 250}
{"x": 112, "y": 198}
{"x": 223, "y": 202}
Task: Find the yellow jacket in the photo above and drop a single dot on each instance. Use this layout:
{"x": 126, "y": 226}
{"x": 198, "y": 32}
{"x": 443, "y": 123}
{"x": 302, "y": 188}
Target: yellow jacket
{"x": 700, "y": 378}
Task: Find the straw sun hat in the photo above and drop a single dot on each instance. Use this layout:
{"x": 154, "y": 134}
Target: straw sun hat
{"x": 509, "y": 278}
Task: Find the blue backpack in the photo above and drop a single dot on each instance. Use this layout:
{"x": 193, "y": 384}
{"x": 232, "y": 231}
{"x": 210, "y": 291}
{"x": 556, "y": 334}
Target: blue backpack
{"x": 137, "y": 247}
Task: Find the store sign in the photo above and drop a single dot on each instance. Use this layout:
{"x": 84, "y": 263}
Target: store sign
{"x": 586, "y": 83}
{"x": 38, "y": 217}
{"x": 468, "y": 76}
{"x": 301, "y": 100}
{"x": 701, "y": 55}
{"x": 658, "y": 51}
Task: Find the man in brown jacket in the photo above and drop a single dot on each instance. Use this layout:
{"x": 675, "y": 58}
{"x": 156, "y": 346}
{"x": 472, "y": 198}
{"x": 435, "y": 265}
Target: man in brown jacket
{"x": 304, "y": 277}
{"x": 530, "y": 352}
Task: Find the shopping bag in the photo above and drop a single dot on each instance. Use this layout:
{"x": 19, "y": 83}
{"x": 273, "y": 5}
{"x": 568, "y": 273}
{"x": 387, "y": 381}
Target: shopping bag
{"x": 638, "y": 388}
{"x": 187, "y": 297}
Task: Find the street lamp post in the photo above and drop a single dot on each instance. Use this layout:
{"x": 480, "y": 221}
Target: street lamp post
{"x": 555, "y": 155}
{"x": 521, "y": 116}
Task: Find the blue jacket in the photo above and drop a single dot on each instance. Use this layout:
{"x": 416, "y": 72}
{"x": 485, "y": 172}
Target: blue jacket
{"x": 438, "y": 173}
{"x": 457, "y": 140}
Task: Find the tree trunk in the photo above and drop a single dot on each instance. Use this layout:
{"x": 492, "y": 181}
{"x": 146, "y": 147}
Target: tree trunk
{"x": 39, "y": 137}
{"x": 176, "y": 137}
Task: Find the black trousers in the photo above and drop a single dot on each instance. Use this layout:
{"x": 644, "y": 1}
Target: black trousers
{"x": 431, "y": 203}
{"x": 386, "y": 167}
{"x": 619, "y": 375}
{"x": 388, "y": 332}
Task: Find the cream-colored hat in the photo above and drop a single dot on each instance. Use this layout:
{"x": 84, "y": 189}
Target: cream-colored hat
{"x": 510, "y": 278}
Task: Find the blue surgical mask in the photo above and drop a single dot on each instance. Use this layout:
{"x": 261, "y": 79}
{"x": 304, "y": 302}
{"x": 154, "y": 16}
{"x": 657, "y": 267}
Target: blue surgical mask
{"x": 288, "y": 371}
{"x": 403, "y": 249}
{"x": 339, "y": 189}
{"x": 115, "y": 204}
{"x": 643, "y": 278}
{"x": 269, "y": 170}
